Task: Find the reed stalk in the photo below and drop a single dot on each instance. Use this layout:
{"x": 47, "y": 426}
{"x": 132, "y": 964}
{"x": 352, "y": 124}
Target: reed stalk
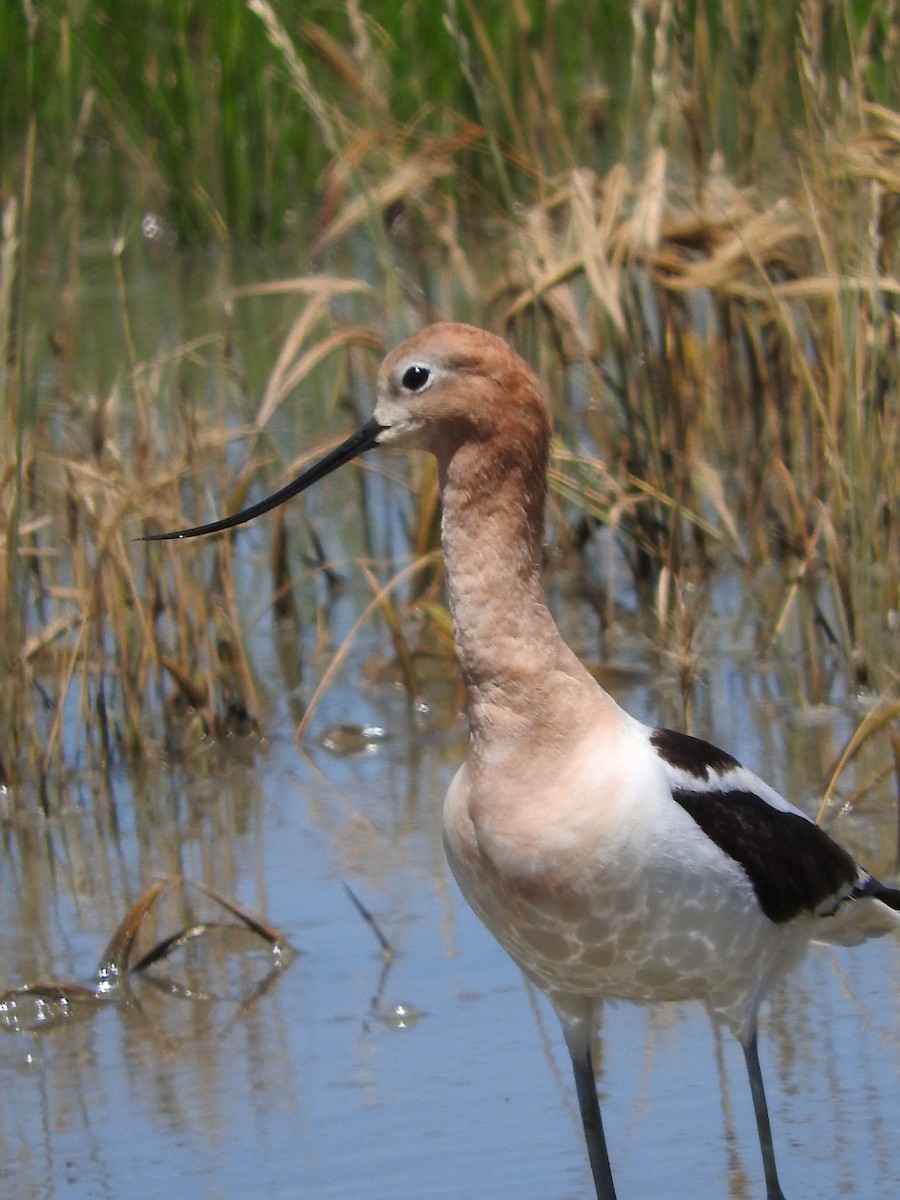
{"x": 686, "y": 216}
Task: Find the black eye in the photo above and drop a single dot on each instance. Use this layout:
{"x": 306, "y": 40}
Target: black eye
{"x": 415, "y": 378}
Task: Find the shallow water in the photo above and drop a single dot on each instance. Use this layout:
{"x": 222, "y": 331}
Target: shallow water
{"x": 440, "y": 1075}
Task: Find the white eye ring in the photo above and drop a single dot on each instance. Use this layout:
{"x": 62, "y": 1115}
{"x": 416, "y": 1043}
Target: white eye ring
{"x": 416, "y": 377}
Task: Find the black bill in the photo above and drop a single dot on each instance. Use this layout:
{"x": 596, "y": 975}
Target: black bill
{"x": 364, "y": 439}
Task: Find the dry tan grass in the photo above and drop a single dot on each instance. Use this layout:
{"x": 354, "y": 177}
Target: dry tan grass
{"x": 737, "y": 350}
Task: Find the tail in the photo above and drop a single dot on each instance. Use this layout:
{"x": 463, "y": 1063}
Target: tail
{"x": 870, "y": 909}
{"x": 873, "y": 889}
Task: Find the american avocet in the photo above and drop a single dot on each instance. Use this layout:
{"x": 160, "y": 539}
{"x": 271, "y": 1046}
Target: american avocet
{"x": 610, "y": 859}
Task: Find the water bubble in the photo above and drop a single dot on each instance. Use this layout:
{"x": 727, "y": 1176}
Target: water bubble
{"x": 153, "y": 228}
{"x": 349, "y": 738}
{"x": 400, "y": 1016}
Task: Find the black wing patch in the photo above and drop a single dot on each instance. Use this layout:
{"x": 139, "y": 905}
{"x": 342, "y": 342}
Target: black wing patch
{"x": 690, "y": 754}
{"x": 794, "y": 865}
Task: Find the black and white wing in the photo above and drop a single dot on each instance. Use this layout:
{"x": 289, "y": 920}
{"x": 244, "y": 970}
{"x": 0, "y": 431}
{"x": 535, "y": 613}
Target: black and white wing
{"x": 793, "y": 865}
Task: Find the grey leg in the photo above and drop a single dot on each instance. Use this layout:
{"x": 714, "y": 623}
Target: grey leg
{"x": 761, "y": 1108}
{"x": 578, "y": 1040}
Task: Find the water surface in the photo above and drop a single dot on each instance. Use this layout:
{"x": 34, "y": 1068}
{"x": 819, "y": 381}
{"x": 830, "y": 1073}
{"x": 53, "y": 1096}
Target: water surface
{"x": 441, "y": 1074}
{"x": 318, "y": 1088}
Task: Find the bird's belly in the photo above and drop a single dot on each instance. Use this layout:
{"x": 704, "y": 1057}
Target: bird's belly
{"x": 634, "y": 924}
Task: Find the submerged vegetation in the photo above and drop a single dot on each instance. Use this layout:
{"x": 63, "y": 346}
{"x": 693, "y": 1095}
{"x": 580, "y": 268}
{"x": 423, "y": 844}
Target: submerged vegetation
{"x": 686, "y": 215}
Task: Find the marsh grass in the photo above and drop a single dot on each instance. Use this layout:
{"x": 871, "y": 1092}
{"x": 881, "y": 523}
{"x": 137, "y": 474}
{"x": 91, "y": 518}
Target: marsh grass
{"x": 686, "y": 216}
{"x": 225, "y": 120}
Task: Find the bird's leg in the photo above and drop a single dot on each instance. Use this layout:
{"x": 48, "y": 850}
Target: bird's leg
{"x": 578, "y": 1039}
{"x": 593, "y": 1126}
{"x": 761, "y": 1108}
